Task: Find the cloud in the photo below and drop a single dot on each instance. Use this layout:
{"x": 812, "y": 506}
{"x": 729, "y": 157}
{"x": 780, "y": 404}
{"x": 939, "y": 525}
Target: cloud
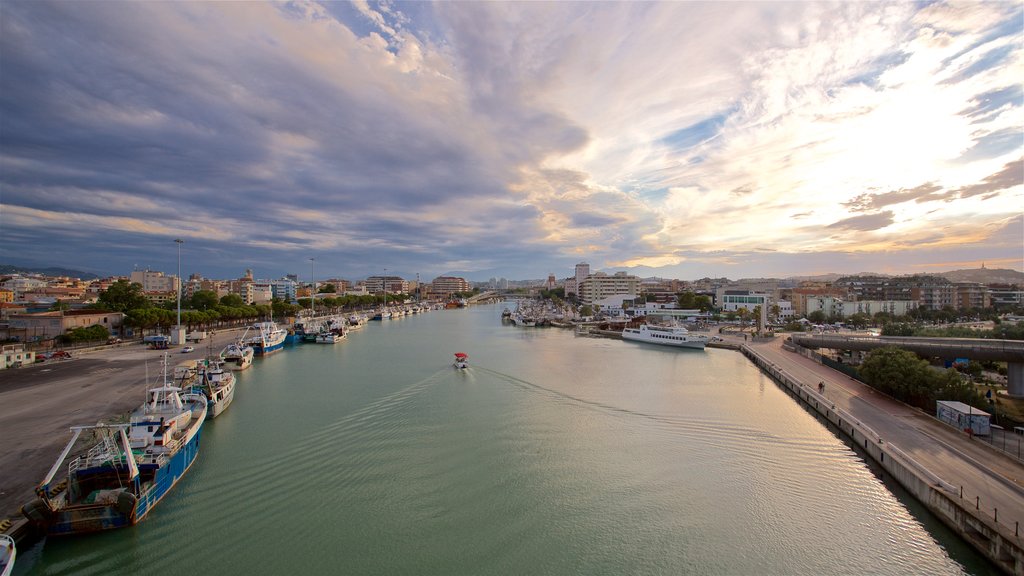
{"x": 871, "y": 202}
{"x": 488, "y": 135}
{"x": 865, "y": 223}
{"x": 1012, "y": 175}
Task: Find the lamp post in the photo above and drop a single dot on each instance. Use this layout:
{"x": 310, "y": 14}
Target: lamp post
{"x": 312, "y": 289}
{"x": 179, "y": 242}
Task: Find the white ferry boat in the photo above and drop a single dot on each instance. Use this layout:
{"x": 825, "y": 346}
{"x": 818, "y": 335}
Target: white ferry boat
{"x": 665, "y": 335}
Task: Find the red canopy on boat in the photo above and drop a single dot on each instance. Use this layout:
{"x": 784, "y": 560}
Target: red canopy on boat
{"x": 461, "y": 355}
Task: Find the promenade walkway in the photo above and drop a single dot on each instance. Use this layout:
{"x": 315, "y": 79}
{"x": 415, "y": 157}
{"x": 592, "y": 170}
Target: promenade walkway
{"x": 990, "y": 480}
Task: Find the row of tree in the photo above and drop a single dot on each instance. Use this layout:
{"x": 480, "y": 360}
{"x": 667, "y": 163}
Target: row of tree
{"x": 999, "y": 331}
{"x": 204, "y": 309}
{"x": 906, "y": 377}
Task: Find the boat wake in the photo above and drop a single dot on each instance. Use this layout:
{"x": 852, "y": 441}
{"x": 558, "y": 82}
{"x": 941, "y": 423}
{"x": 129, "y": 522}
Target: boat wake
{"x": 747, "y": 440}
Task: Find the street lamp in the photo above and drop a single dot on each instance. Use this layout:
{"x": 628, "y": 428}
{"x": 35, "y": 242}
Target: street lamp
{"x": 312, "y": 289}
{"x": 179, "y": 242}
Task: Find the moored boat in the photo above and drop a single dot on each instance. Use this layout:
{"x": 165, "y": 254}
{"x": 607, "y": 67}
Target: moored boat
{"x": 8, "y": 552}
{"x": 329, "y": 337}
{"x": 666, "y": 336}
{"x": 119, "y": 476}
{"x": 237, "y": 356}
{"x": 267, "y": 338}
{"x": 216, "y": 384}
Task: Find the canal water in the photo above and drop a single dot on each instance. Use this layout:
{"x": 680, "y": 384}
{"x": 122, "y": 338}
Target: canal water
{"x": 552, "y": 454}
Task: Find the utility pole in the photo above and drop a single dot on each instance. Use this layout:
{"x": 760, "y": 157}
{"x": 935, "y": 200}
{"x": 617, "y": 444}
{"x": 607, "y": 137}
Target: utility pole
{"x": 177, "y": 329}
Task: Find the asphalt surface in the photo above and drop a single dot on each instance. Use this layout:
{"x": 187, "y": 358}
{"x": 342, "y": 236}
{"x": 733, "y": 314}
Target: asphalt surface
{"x": 990, "y": 479}
{"x": 39, "y": 404}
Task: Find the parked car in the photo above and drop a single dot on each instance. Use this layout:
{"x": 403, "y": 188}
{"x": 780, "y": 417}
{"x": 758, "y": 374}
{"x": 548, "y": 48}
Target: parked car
{"x": 60, "y": 355}
{"x": 187, "y": 349}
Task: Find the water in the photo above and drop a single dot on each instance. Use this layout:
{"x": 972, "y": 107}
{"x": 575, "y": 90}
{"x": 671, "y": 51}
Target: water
{"x": 551, "y": 454}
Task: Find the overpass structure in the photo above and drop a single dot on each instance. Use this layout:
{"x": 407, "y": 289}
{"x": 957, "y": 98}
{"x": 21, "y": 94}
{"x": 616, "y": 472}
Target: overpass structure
{"x": 482, "y": 296}
{"x": 1009, "y": 351}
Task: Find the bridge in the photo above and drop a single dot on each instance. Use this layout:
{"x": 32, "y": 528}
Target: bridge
{"x": 482, "y": 296}
{"x": 1009, "y": 351}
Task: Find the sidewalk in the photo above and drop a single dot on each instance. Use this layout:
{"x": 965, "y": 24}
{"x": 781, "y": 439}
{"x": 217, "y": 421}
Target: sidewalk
{"x": 991, "y": 480}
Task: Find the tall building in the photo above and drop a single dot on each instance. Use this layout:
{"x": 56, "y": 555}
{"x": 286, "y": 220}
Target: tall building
{"x": 599, "y": 286}
{"x": 394, "y": 285}
{"x": 582, "y": 271}
{"x": 448, "y": 285}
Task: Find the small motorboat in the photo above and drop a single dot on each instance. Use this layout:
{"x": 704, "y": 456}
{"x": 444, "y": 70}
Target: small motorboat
{"x": 461, "y": 360}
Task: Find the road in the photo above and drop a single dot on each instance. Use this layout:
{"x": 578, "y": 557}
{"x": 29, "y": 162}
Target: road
{"x": 39, "y": 403}
{"x": 990, "y": 478}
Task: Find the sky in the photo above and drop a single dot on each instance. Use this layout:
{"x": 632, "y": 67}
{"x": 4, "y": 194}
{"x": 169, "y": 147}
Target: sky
{"x": 512, "y": 139}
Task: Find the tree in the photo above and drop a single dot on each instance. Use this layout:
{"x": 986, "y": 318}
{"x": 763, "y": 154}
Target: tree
{"x": 818, "y": 317}
{"x": 203, "y": 300}
{"x": 59, "y": 306}
{"x": 123, "y": 296}
{"x": 232, "y": 301}
{"x": 904, "y": 376}
{"x": 858, "y": 320}
{"x": 327, "y": 289}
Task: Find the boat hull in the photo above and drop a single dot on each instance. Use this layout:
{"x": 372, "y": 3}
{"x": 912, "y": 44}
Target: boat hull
{"x": 689, "y": 343}
{"x": 86, "y": 518}
{"x": 215, "y": 408}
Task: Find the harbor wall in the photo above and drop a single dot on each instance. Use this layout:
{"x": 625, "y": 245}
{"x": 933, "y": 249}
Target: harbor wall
{"x": 999, "y": 543}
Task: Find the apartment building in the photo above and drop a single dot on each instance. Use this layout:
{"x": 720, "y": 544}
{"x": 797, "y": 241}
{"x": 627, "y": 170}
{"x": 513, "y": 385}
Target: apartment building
{"x": 599, "y": 286}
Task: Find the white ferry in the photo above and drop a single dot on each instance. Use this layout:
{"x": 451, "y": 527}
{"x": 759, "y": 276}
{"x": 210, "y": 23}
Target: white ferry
{"x": 665, "y": 335}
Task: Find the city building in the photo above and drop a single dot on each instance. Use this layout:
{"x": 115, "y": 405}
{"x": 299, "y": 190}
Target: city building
{"x": 49, "y": 325}
{"x": 598, "y": 286}
{"x": 19, "y": 284}
{"x": 572, "y": 285}
{"x": 934, "y": 292}
{"x": 154, "y": 281}
{"x": 733, "y": 300}
{"x": 1006, "y": 295}
{"x": 448, "y": 285}
{"x": 394, "y": 285}
{"x": 15, "y": 356}
{"x": 284, "y": 289}
{"x": 972, "y": 295}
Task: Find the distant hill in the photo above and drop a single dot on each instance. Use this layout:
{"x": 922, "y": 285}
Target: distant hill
{"x": 51, "y": 271}
{"x": 985, "y": 276}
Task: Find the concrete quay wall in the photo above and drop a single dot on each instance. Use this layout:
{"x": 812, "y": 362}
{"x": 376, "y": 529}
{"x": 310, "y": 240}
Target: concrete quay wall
{"x": 997, "y": 542}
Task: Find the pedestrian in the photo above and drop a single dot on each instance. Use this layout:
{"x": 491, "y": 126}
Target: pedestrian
{"x": 821, "y": 386}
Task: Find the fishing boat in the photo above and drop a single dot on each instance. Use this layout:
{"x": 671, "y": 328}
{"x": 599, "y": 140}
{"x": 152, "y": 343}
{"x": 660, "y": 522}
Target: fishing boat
{"x": 267, "y": 338}
{"x": 125, "y": 470}
{"x": 461, "y": 360}
{"x": 329, "y": 337}
{"x": 237, "y": 356}
{"x": 7, "y": 554}
{"x": 216, "y": 384}
{"x": 666, "y": 336}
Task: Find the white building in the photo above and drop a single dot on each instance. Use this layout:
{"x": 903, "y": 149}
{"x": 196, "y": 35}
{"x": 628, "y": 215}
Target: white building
{"x": 284, "y": 289}
{"x": 20, "y": 284}
{"x": 834, "y": 307}
{"x": 15, "y": 355}
{"x": 731, "y": 300}
{"x": 154, "y": 281}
